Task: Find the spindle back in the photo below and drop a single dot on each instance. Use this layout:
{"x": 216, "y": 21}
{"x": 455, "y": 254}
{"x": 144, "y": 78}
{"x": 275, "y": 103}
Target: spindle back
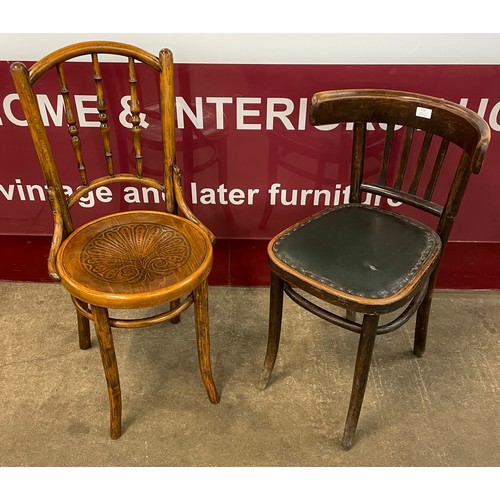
{"x": 430, "y": 127}
{"x": 111, "y": 170}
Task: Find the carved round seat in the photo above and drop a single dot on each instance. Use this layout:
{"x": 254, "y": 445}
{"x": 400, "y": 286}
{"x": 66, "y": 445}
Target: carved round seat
{"x": 134, "y": 259}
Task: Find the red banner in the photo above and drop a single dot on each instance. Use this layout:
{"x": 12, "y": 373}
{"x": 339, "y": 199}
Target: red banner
{"x": 251, "y": 162}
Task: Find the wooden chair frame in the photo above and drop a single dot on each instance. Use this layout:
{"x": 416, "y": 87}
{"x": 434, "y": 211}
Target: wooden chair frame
{"x": 436, "y": 118}
{"x": 92, "y": 304}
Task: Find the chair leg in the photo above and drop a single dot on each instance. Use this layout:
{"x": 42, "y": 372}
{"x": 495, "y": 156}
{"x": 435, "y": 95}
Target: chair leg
{"x": 273, "y": 340}
{"x": 203, "y": 340}
{"x": 173, "y": 305}
{"x": 83, "y": 330}
{"x": 422, "y": 320}
{"x": 361, "y": 370}
{"x": 104, "y": 335}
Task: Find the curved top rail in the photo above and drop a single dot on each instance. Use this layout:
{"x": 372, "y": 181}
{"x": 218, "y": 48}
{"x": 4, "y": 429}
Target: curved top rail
{"x": 91, "y": 47}
{"x": 372, "y": 105}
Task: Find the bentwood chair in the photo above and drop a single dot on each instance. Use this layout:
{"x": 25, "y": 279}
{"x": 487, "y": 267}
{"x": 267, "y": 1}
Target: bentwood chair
{"x": 369, "y": 259}
{"x": 131, "y": 259}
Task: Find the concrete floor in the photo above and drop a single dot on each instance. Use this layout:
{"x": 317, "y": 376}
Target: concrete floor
{"x": 439, "y": 410}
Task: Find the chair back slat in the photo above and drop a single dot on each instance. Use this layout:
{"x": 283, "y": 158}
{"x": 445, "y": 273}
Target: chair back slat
{"x": 72, "y": 125}
{"x": 358, "y": 157}
{"x": 384, "y": 167}
{"x": 403, "y": 163}
{"x": 436, "y": 170}
{"x": 424, "y": 121}
{"x": 103, "y": 116}
{"x": 422, "y": 157}
{"x": 455, "y": 196}
{"x": 136, "y": 118}
{"x": 167, "y": 100}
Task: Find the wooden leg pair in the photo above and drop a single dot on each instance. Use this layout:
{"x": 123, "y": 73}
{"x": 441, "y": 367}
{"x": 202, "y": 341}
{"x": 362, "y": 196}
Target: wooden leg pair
{"x": 363, "y": 358}
{"x": 105, "y": 338}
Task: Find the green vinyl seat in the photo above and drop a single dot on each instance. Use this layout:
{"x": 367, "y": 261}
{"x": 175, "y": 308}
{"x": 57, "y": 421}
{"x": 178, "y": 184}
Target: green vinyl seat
{"x": 359, "y": 250}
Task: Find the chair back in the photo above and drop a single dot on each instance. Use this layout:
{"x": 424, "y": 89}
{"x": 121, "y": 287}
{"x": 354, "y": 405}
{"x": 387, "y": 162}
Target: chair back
{"x": 440, "y": 142}
{"x": 119, "y": 163}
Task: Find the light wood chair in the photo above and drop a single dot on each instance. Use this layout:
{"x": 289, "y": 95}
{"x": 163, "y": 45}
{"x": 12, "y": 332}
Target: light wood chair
{"x": 368, "y": 259}
{"x": 132, "y": 259}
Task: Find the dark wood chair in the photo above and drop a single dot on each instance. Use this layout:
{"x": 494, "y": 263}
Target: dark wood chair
{"x": 370, "y": 259}
{"x": 135, "y": 259}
